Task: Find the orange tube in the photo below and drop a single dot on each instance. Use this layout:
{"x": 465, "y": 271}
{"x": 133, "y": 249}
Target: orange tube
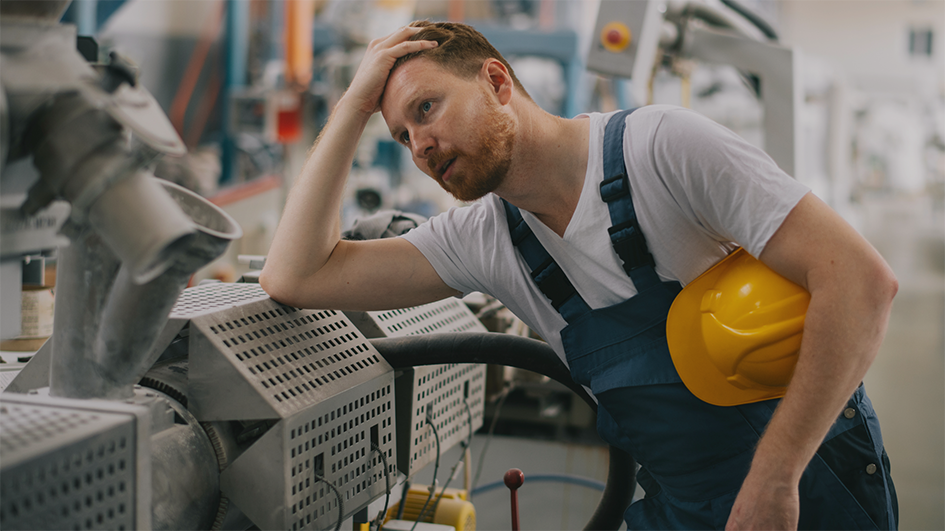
{"x": 299, "y": 16}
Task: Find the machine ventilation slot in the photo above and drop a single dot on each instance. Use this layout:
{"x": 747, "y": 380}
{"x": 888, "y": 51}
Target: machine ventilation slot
{"x": 455, "y": 392}
{"x": 445, "y": 390}
{"x": 446, "y": 316}
{"x": 291, "y": 353}
{"x": 339, "y": 442}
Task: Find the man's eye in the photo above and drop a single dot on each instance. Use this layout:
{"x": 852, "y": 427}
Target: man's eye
{"x": 426, "y": 106}
{"x": 405, "y": 138}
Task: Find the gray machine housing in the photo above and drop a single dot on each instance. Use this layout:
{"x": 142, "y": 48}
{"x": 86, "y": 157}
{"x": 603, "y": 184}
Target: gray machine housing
{"x": 74, "y": 464}
{"x": 325, "y": 387}
{"x": 452, "y": 395}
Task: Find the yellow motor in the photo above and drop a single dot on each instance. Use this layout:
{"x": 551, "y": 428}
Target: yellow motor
{"x": 453, "y": 508}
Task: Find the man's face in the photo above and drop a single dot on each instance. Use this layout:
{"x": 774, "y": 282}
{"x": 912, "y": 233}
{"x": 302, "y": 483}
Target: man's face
{"x": 456, "y": 131}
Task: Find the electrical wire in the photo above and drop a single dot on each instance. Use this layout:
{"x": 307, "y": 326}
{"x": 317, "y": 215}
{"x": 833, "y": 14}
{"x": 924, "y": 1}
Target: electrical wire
{"x": 468, "y": 412}
{"x": 436, "y": 467}
{"x": 462, "y": 457}
{"x": 403, "y": 496}
{"x": 380, "y": 517}
{"x": 495, "y": 420}
{"x": 341, "y": 505}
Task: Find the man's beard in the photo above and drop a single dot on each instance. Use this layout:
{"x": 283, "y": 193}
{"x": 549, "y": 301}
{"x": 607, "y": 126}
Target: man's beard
{"x": 485, "y": 169}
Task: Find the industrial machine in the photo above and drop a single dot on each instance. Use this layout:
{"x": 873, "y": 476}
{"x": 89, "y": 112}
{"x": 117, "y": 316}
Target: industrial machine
{"x": 155, "y": 406}
{"x": 78, "y": 139}
{"x": 450, "y": 395}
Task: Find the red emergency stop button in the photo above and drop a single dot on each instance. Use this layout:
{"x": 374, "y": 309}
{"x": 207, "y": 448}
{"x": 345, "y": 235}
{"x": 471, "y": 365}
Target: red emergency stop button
{"x": 615, "y": 37}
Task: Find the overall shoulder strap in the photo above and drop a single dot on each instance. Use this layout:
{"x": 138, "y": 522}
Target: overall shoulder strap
{"x": 625, "y": 234}
{"x": 546, "y": 273}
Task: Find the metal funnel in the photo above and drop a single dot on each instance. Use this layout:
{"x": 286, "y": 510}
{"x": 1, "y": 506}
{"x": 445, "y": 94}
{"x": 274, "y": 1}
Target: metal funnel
{"x": 107, "y": 321}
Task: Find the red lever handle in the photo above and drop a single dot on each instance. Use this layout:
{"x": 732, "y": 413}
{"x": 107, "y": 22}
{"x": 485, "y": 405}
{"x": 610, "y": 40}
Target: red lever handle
{"x": 513, "y": 480}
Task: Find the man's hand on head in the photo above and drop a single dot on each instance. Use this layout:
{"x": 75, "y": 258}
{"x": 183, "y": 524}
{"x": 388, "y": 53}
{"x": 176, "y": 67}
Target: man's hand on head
{"x": 366, "y": 89}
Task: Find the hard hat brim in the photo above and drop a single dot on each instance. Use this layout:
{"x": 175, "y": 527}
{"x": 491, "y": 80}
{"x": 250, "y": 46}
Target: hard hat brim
{"x": 688, "y": 350}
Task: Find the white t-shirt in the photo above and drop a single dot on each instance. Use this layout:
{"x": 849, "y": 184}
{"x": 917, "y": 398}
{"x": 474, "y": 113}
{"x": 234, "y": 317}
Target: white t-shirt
{"x": 696, "y": 186}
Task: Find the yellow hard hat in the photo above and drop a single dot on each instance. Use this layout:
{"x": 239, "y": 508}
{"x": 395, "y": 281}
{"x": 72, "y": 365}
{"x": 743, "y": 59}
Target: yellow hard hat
{"x": 734, "y": 332}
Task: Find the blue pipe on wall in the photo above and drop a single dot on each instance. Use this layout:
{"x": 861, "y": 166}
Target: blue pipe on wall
{"x": 90, "y": 15}
{"x": 237, "y": 51}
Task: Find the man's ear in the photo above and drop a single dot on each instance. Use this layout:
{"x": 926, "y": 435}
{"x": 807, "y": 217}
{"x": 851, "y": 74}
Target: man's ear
{"x": 500, "y": 81}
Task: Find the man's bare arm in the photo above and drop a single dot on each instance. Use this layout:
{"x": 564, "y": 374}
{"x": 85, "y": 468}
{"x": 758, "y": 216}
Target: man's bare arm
{"x": 851, "y": 289}
{"x": 308, "y": 265}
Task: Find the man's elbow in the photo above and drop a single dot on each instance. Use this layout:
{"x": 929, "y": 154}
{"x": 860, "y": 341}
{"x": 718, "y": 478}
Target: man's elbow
{"x": 890, "y": 283}
{"x": 882, "y": 284}
{"x": 279, "y": 290}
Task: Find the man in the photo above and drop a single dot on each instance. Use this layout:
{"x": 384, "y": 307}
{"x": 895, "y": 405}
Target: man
{"x": 455, "y": 103}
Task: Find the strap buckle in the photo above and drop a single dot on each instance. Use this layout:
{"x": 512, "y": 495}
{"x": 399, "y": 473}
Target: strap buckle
{"x": 552, "y": 281}
{"x": 615, "y": 187}
{"x": 630, "y": 244}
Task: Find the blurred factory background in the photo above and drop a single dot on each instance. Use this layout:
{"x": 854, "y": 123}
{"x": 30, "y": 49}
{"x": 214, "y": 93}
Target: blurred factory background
{"x": 858, "y": 115}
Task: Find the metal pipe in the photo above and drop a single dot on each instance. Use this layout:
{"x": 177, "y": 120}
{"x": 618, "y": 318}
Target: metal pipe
{"x": 83, "y": 280}
{"x": 237, "y": 46}
{"x": 185, "y": 479}
{"x": 136, "y": 313}
{"x": 142, "y": 225}
{"x": 721, "y": 19}
{"x": 87, "y": 17}
{"x": 131, "y": 320}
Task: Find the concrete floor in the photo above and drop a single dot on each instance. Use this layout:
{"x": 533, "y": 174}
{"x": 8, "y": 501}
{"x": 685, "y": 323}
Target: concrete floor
{"x": 543, "y": 505}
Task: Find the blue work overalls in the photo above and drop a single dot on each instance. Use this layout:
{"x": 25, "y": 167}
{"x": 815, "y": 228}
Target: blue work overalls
{"x": 693, "y": 455}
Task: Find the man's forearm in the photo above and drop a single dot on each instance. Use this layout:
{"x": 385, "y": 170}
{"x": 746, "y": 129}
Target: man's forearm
{"x": 851, "y": 289}
{"x": 843, "y": 330}
{"x": 842, "y": 335}
{"x": 311, "y": 227}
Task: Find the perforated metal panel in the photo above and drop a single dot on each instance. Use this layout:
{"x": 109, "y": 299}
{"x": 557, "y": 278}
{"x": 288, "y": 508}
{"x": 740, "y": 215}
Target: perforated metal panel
{"x": 448, "y": 315}
{"x": 264, "y": 360}
{"x": 72, "y": 464}
{"x": 333, "y": 442}
{"x": 453, "y": 394}
{"x": 7, "y": 374}
{"x": 214, "y": 297}
{"x": 256, "y": 359}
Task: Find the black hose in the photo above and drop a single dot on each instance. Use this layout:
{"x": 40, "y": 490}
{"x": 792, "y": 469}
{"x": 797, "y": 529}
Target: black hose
{"x": 469, "y": 347}
{"x": 522, "y": 353}
{"x": 752, "y": 17}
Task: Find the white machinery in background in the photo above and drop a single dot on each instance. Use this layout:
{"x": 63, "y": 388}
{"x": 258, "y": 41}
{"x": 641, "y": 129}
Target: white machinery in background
{"x": 633, "y": 39}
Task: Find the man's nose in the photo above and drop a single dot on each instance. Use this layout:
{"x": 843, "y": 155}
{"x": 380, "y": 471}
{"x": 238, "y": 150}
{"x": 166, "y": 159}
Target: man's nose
{"x": 423, "y": 144}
